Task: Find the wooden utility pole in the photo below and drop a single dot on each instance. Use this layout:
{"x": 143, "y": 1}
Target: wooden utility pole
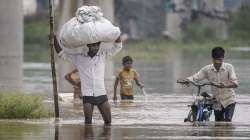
{"x": 52, "y": 60}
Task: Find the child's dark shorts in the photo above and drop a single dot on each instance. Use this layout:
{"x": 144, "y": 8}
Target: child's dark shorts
{"x": 127, "y": 97}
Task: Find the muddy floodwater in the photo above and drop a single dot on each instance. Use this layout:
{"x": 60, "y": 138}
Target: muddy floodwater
{"x": 160, "y": 115}
{"x": 78, "y": 131}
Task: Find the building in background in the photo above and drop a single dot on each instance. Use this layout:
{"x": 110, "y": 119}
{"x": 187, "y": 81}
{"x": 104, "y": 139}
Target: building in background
{"x": 175, "y": 19}
{"x": 232, "y": 5}
{"x": 140, "y": 19}
{"x": 11, "y": 44}
{"x": 29, "y": 7}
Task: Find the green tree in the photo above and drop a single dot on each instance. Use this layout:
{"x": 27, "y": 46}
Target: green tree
{"x": 240, "y": 23}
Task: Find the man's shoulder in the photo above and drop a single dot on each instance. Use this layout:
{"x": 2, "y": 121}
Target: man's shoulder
{"x": 136, "y": 74}
{"x": 133, "y": 70}
{"x": 228, "y": 65}
{"x": 207, "y": 67}
{"x": 120, "y": 71}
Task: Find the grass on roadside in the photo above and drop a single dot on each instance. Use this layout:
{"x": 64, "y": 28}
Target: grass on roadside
{"x": 21, "y": 106}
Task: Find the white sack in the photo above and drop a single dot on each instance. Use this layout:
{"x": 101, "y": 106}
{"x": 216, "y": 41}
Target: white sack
{"x": 82, "y": 29}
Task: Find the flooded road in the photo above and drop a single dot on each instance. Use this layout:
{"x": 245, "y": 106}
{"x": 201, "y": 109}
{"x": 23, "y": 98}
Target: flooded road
{"x": 159, "y": 116}
{"x": 78, "y": 131}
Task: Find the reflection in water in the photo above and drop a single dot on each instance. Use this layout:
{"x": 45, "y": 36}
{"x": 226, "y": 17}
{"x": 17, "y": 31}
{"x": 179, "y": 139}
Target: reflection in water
{"x": 218, "y": 129}
{"x": 82, "y": 132}
{"x": 92, "y": 134}
{"x": 56, "y": 132}
{"x": 120, "y": 132}
{"x": 225, "y": 130}
{"x": 64, "y": 131}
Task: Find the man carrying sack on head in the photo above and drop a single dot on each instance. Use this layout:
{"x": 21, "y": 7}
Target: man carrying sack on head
{"x": 80, "y": 42}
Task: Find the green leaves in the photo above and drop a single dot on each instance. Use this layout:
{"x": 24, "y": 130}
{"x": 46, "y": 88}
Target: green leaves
{"x": 18, "y": 105}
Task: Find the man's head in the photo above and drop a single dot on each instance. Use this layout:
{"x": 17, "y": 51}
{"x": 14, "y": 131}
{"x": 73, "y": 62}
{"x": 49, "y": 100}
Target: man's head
{"x": 127, "y": 62}
{"x": 93, "y": 48}
{"x": 218, "y": 57}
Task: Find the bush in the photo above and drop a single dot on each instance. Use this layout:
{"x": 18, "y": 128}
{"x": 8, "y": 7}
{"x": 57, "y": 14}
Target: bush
{"x": 196, "y": 32}
{"x": 18, "y": 105}
{"x": 36, "y": 41}
{"x": 239, "y": 25}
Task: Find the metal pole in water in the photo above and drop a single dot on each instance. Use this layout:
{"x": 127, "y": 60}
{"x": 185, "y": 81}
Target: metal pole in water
{"x": 52, "y": 60}
{"x": 145, "y": 94}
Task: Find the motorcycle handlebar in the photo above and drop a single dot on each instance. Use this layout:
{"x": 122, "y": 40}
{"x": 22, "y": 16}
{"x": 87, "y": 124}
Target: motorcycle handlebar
{"x": 196, "y": 84}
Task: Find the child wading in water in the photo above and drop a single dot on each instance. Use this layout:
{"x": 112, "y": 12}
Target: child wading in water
{"x": 126, "y": 77}
{"x": 74, "y": 79}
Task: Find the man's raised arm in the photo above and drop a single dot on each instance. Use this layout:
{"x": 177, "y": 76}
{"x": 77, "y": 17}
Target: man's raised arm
{"x": 57, "y": 45}
{"x": 116, "y": 48}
